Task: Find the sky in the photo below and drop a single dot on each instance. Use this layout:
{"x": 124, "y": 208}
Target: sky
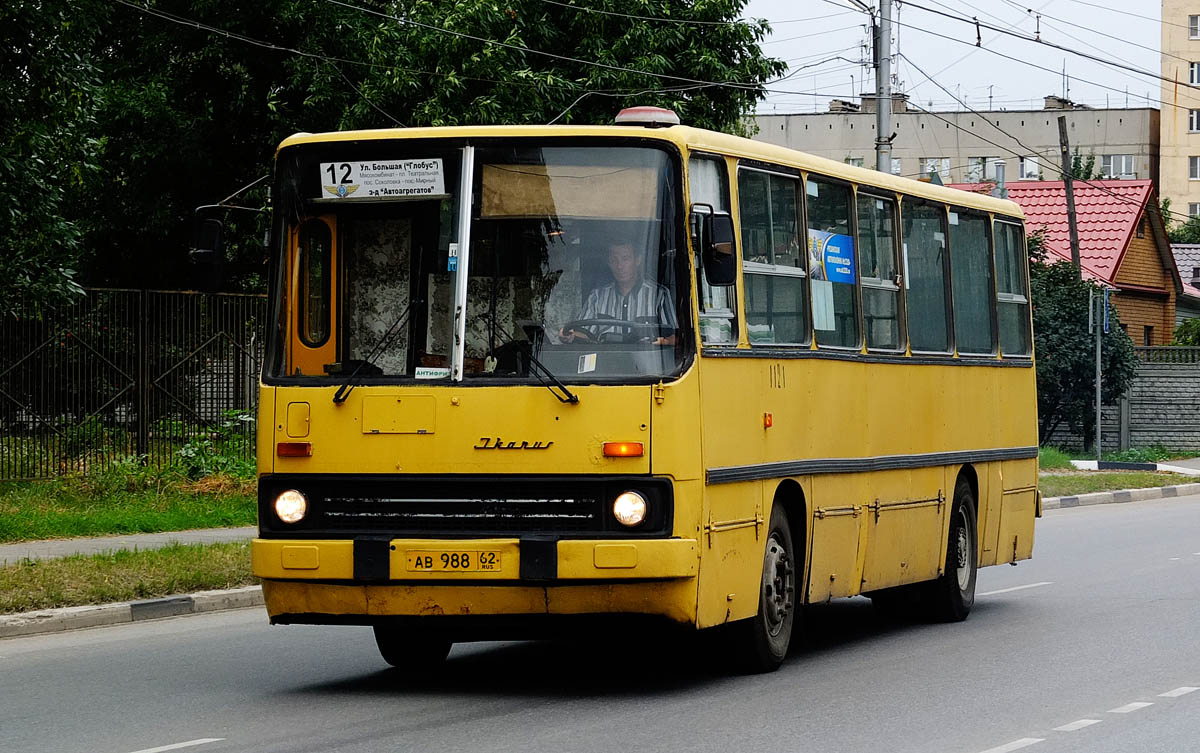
{"x": 824, "y": 40}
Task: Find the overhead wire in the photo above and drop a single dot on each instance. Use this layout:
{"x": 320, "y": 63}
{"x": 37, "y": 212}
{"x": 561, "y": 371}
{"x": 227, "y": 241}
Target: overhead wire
{"x": 666, "y": 19}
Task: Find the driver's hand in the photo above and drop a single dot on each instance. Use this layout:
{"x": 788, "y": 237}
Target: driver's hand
{"x": 665, "y": 340}
{"x": 571, "y": 335}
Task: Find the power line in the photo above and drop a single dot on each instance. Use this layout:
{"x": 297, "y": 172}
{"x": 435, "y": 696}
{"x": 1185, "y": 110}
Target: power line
{"x": 664, "y": 19}
{"x": 1037, "y": 40}
{"x": 1127, "y": 13}
{"x": 1086, "y": 28}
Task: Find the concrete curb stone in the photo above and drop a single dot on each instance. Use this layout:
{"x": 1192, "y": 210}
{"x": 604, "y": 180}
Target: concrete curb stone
{"x": 1119, "y": 496}
{"x": 71, "y": 618}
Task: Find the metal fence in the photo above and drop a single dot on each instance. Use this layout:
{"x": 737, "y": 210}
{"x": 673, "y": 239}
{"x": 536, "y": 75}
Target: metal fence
{"x": 123, "y": 374}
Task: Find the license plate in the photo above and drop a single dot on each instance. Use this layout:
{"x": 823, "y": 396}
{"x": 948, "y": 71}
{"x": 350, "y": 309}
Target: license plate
{"x": 453, "y": 562}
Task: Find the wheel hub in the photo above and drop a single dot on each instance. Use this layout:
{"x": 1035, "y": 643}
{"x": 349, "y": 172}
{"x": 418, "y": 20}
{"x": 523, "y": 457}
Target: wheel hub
{"x": 963, "y": 547}
{"x": 778, "y": 586}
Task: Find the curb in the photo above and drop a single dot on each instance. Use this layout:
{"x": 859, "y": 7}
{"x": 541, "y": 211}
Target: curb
{"x": 73, "y": 618}
{"x": 1115, "y": 497}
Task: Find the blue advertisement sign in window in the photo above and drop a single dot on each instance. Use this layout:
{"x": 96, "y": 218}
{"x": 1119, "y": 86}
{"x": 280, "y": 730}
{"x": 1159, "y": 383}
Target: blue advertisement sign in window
{"x": 831, "y": 256}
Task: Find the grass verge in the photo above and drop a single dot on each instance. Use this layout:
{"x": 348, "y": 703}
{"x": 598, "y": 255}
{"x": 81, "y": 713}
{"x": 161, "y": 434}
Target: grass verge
{"x": 1052, "y": 458}
{"x": 108, "y": 505}
{"x": 123, "y": 576}
{"x": 1086, "y": 482}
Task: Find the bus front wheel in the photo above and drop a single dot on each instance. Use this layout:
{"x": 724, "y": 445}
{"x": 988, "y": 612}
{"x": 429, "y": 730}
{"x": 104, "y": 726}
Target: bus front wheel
{"x": 761, "y": 642}
{"x": 409, "y": 650}
{"x": 952, "y": 595}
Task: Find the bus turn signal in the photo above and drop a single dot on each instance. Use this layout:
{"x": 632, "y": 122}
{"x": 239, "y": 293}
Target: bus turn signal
{"x": 623, "y": 449}
{"x": 294, "y": 449}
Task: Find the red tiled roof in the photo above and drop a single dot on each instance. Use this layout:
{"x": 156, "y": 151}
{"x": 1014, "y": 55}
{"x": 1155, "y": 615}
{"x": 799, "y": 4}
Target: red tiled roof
{"x": 1106, "y": 214}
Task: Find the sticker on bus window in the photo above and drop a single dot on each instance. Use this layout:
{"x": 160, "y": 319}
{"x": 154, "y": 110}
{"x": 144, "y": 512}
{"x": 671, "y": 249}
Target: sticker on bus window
{"x": 398, "y": 179}
{"x": 954, "y": 218}
{"x": 831, "y": 256}
{"x": 822, "y": 303}
{"x": 587, "y": 363}
{"x": 430, "y": 372}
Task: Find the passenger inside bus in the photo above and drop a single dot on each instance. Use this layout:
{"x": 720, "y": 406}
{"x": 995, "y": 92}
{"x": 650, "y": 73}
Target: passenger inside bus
{"x": 630, "y": 297}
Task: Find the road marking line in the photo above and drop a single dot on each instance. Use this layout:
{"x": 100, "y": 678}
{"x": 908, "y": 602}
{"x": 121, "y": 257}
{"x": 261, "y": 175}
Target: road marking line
{"x": 1016, "y": 588}
{"x": 1178, "y": 692}
{"x": 1080, "y": 724}
{"x": 1130, "y": 707}
{"x": 1024, "y": 742}
{"x": 1176, "y": 559}
{"x": 177, "y": 746}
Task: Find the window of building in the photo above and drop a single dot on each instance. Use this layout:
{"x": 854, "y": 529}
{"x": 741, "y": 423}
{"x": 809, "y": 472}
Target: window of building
{"x": 1193, "y": 121}
{"x": 1117, "y": 165}
{"x": 708, "y": 182}
{"x": 971, "y": 275}
{"x": 877, "y": 272}
{"x": 773, "y": 257}
{"x": 925, "y": 276}
{"x": 1193, "y": 168}
{"x": 1147, "y": 335}
{"x": 854, "y": 161}
{"x": 1193, "y": 210}
{"x": 939, "y": 165}
{"x": 1194, "y": 27}
{"x": 1194, "y": 73}
{"x": 832, "y": 263}
{"x": 314, "y": 246}
{"x": 1029, "y": 169}
{"x": 1141, "y": 228}
{"x": 1012, "y": 305}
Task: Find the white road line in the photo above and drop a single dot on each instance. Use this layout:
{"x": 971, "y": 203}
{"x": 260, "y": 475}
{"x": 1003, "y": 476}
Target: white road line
{"x": 1016, "y": 588}
{"x": 1176, "y": 559}
{"x": 1178, "y": 692}
{"x": 177, "y": 746}
{"x": 1079, "y": 724}
{"x": 1130, "y": 707}
{"x": 1024, "y": 742}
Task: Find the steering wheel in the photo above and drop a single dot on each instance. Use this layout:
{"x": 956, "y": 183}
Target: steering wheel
{"x": 631, "y": 330}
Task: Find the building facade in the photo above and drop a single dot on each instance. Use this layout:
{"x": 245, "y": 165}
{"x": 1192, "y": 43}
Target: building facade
{"x": 1179, "y": 138}
{"x": 967, "y": 147}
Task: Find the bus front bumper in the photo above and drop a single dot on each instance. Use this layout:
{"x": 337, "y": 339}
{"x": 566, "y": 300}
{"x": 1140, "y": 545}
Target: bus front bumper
{"x": 369, "y": 579}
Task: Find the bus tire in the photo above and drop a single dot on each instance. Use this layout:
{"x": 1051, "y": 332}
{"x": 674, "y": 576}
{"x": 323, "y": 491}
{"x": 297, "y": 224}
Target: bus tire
{"x": 951, "y": 596}
{"x": 761, "y": 642}
{"x": 409, "y": 650}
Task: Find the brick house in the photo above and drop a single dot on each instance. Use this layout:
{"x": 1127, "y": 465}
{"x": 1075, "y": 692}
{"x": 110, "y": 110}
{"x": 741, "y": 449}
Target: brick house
{"x": 1122, "y": 244}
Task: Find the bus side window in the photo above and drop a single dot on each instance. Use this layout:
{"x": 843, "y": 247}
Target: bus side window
{"x": 971, "y": 276}
{"x": 708, "y": 182}
{"x": 877, "y": 257}
{"x": 925, "y": 276}
{"x": 1012, "y": 304}
{"x": 313, "y": 256}
{"x": 832, "y": 261}
{"x": 773, "y": 258}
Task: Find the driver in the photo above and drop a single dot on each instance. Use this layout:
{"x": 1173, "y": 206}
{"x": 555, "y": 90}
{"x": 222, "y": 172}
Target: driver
{"x": 629, "y": 297}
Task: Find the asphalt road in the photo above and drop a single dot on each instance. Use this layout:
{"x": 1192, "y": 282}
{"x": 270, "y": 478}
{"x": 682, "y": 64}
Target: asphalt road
{"x": 1059, "y": 654}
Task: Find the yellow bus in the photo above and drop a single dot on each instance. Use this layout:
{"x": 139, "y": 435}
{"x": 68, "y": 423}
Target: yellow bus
{"x": 527, "y": 379}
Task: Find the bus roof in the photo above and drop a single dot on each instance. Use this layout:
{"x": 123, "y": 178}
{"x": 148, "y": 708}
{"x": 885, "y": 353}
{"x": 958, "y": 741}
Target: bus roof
{"x": 690, "y": 139}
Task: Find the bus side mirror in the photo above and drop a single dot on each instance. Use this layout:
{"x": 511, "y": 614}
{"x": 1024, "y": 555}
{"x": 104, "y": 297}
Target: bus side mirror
{"x": 208, "y": 252}
{"x": 712, "y": 232}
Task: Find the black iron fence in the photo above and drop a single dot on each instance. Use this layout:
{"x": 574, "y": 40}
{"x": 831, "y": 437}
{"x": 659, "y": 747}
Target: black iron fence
{"x": 146, "y": 376}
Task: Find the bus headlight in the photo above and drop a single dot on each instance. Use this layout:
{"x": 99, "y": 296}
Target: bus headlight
{"x": 291, "y": 506}
{"x": 629, "y": 508}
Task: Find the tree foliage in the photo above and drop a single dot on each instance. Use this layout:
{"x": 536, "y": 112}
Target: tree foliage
{"x": 49, "y": 147}
{"x": 1187, "y": 333}
{"x": 185, "y": 102}
{"x": 1083, "y": 168}
{"x": 1066, "y": 355}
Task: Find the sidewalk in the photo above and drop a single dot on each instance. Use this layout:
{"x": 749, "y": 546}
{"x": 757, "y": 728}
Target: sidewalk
{"x": 40, "y": 550}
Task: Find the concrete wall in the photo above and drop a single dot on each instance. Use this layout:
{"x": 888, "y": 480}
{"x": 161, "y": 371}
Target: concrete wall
{"x": 1162, "y": 408}
{"x": 1177, "y": 141}
{"x": 845, "y": 136}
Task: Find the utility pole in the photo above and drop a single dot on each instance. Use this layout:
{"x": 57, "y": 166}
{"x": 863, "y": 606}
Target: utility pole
{"x": 883, "y": 89}
{"x": 1066, "y": 171}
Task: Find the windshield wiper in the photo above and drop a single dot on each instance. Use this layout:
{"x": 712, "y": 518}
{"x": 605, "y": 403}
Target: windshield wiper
{"x": 567, "y": 396}
{"x": 347, "y": 387}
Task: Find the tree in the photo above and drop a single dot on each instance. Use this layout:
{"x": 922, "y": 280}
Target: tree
{"x": 1187, "y": 333}
{"x": 48, "y": 148}
{"x": 1083, "y": 168}
{"x": 190, "y": 114}
{"x": 1066, "y": 356}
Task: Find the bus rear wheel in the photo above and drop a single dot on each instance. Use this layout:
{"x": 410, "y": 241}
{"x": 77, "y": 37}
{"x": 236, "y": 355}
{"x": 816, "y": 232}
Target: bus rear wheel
{"x": 761, "y": 642}
{"x": 951, "y": 596}
{"x": 411, "y": 650}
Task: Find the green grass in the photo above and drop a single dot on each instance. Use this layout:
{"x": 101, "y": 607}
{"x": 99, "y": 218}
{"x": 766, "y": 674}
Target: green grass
{"x": 123, "y": 576}
{"x": 1085, "y": 482}
{"x": 119, "y": 503}
{"x": 1050, "y": 458}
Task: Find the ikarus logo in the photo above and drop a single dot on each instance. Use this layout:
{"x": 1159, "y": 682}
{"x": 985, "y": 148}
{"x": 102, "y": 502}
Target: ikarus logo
{"x": 497, "y": 443}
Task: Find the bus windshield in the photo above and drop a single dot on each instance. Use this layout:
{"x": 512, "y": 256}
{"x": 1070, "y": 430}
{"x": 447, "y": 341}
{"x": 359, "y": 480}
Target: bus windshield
{"x": 574, "y": 266}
